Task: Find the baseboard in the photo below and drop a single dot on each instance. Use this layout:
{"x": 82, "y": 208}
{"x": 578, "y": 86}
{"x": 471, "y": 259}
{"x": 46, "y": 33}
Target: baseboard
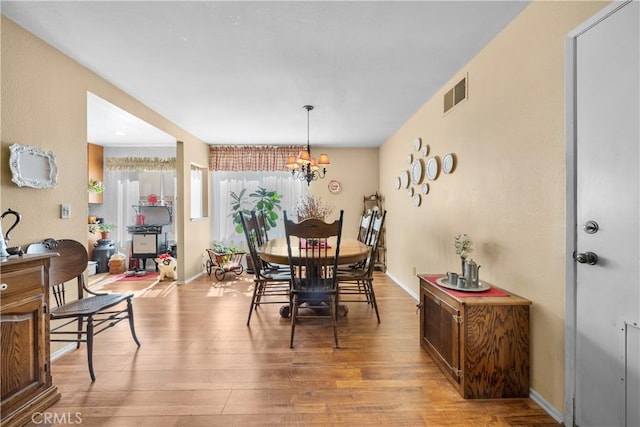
{"x": 546, "y": 406}
{"x": 190, "y": 279}
{"x": 403, "y": 286}
{"x": 536, "y": 397}
{"x": 64, "y": 350}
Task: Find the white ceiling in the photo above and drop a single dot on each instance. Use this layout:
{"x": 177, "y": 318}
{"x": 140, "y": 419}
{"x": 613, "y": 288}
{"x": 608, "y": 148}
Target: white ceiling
{"x": 239, "y": 72}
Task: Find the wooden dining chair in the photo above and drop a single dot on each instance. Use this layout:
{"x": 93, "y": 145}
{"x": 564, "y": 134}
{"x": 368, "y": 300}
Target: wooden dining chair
{"x": 313, "y": 266}
{"x": 364, "y": 228}
{"x": 262, "y": 237}
{"x": 271, "y": 286}
{"x": 359, "y": 280}
{"x": 93, "y": 312}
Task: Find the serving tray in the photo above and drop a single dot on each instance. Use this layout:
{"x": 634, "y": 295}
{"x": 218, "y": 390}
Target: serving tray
{"x": 444, "y": 282}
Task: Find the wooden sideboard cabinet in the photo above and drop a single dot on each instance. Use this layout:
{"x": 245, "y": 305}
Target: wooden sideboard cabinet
{"x": 481, "y": 343}
{"x": 25, "y": 375}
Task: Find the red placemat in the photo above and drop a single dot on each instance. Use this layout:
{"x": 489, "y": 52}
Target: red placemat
{"x": 491, "y": 292}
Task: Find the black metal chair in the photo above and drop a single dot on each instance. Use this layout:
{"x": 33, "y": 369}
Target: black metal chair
{"x": 313, "y": 267}
{"x": 271, "y": 284}
{"x": 359, "y": 280}
{"x": 98, "y": 311}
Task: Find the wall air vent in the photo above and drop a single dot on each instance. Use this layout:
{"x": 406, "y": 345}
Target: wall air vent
{"x": 455, "y": 95}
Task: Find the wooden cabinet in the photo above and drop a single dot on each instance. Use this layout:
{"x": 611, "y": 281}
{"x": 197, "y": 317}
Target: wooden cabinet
{"x": 481, "y": 343}
{"x": 95, "y": 169}
{"x": 25, "y": 374}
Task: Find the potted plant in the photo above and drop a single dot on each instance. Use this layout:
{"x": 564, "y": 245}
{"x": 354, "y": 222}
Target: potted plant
{"x": 262, "y": 201}
{"x": 95, "y": 186}
{"x": 105, "y": 229}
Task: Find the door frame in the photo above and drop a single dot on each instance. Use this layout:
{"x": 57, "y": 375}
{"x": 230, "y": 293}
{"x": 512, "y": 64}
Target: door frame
{"x": 571, "y": 204}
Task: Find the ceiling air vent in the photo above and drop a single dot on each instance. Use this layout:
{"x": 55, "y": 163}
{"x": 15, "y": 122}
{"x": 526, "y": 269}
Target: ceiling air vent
{"x": 455, "y": 95}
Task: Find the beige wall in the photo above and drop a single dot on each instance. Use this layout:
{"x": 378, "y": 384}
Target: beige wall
{"x": 507, "y": 191}
{"x": 357, "y": 170}
{"x": 44, "y": 105}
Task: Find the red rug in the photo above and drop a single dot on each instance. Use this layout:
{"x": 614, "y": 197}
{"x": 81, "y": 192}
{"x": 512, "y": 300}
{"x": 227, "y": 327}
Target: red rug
{"x": 151, "y": 275}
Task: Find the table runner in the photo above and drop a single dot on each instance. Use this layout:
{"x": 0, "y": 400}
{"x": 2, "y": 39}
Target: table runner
{"x": 491, "y": 292}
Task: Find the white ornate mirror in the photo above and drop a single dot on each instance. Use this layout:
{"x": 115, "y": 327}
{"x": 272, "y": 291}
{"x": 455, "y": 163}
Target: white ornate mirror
{"x": 33, "y": 167}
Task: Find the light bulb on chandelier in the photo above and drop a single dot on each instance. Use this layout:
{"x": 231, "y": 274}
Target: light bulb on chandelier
{"x": 305, "y": 167}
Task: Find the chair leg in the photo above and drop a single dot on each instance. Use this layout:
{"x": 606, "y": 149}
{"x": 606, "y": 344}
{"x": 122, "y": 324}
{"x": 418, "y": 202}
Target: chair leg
{"x": 334, "y": 319}
{"x": 294, "y": 315}
{"x": 90, "y": 347}
{"x": 131, "y": 324}
{"x": 373, "y": 299}
{"x": 252, "y": 305}
{"x": 80, "y": 319}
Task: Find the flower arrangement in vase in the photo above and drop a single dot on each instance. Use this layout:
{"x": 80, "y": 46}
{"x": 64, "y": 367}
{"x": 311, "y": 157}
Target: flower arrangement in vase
{"x": 312, "y": 207}
{"x": 463, "y": 244}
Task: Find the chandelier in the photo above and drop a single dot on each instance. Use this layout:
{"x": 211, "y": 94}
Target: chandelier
{"x": 304, "y": 167}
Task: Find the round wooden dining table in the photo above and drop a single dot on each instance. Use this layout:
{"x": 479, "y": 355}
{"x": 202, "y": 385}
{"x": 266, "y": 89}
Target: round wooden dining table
{"x": 351, "y": 250}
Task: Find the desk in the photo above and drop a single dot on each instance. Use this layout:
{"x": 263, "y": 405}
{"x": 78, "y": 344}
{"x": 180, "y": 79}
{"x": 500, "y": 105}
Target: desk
{"x": 351, "y": 250}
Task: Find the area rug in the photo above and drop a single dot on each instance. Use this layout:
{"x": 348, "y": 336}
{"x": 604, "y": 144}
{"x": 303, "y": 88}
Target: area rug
{"x": 150, "y": 276}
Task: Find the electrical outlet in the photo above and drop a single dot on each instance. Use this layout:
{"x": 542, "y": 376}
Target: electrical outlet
{"x": 65, "y": 211}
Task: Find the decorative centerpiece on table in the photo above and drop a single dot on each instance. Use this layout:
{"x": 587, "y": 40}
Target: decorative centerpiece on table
{"x": 463, "y": 244}
{"x": 312, "y": 207}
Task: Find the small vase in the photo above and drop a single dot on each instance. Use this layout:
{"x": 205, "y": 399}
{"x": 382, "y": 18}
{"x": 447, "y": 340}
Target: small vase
{"x": 462, "y": 260}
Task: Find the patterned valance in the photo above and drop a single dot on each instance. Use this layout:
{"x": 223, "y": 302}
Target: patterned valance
{"x": 251, "y": 158}
{"x": 141, "y": 163}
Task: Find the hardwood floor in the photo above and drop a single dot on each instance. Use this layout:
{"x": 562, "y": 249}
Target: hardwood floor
{"x": 200, "y": 365}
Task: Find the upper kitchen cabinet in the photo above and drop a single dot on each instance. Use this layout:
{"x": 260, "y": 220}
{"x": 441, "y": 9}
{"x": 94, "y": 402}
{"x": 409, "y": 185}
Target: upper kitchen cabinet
{"x": 95, "y": 168}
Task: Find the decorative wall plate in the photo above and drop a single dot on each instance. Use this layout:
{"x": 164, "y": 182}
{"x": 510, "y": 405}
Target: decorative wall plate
{"x": 396, "y": 182}
{"x": 334, "y": 186}
{"x": 404, "y": 179}
{"x": 417, "y": 143}
{"x": 410, "y": 191}
{"x": 409, "y": 158}
{"x": 433, "y": 168}
{"x": 448, "y": 163}
{"x": 424, "y": 150}
{"x": 417, "y": 171}
{"x": 425, "y": 188}
{"x": 417, "y": 200}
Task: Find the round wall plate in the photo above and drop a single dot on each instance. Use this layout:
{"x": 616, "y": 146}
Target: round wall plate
{"x": 404, "y": 179}
{"x": 334, "y": 186}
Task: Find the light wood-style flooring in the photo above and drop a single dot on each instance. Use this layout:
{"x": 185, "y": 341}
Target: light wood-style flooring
{"x": 200, "y": 365}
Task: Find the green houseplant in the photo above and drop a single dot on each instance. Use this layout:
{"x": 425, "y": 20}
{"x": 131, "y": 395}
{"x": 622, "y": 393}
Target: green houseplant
{"x": 262, "y": 201}
{"x": 105, "y": 229}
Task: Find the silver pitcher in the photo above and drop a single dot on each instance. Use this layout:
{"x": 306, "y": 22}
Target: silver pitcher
{"x": 471, "y": 273}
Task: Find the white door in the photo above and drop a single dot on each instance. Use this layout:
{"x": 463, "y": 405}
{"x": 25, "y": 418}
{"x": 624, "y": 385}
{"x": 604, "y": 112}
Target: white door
{"x": 607, "y": 217}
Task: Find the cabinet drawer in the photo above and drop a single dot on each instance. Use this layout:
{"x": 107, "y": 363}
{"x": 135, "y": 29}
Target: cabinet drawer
{"x": 24, "y": 283}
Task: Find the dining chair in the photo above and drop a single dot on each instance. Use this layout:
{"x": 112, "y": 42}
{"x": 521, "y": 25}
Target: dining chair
{"x": 262, "y": 237}
{"x": 359, "y": 280}
{"x": 270, "y": 286}
{"x": 313, "y": 263}
{"x": 364, "y": 229}
{"x": 98, "y": 311}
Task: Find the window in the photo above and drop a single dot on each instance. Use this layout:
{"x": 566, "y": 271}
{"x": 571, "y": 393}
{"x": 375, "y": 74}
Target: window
{"x": 225, "y": 183}
{"x": 199, "y": 192}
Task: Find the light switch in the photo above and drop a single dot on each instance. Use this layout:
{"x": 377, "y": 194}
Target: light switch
{"x": 65, "y": 211}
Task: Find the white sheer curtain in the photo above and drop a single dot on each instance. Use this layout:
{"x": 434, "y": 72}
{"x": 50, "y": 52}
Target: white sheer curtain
{"x": 224, "y": 183}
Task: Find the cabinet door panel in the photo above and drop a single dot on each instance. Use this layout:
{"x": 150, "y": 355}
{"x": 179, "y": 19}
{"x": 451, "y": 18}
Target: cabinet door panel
{"x": 22, "y": 350}
{"x": 441, "y": 330}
